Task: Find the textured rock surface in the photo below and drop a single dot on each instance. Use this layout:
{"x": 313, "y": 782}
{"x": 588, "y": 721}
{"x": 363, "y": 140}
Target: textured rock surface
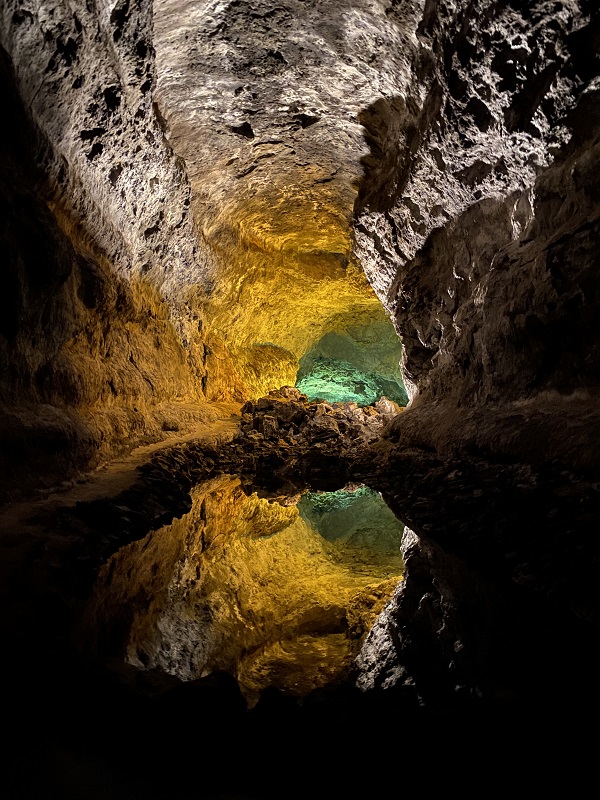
{"x": 482, "y": 238}
{"x": 192, "y": 256}
{"x": 261, "y": 100}
{"x": 465, "y": 182}
{"x": 97, "y": 237}
{"x": 460, "y": 139}
{"x": 362, "y": 364}
{"x": 86, "y": 76}
{"x": 290, "y": 442}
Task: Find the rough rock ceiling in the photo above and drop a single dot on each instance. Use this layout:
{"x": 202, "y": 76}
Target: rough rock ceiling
{"x": 262, "y": 102}
{"x": 211, "y": 155}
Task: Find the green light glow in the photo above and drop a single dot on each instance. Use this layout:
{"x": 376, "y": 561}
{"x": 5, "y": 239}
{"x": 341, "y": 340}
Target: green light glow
{"x": 338, "y": 381}
{"x": 357, "y": 363}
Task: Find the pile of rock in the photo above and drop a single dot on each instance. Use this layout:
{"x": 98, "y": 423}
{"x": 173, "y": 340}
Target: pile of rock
{"x": 287, "y": 418}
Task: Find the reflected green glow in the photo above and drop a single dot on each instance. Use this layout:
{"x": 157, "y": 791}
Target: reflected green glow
{"x": 358, "y": 518}
{"x": 277, "y": 595}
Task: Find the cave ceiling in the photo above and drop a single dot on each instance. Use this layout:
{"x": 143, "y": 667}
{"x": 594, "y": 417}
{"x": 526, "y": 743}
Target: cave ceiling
{"x": 243, "y": 166}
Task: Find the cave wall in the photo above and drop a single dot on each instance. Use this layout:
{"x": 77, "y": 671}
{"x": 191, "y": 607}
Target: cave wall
{"x": 187, "y": 191}
{"x": 479, "y": 191}
{"x": 86, "y": 78}
{"x": 477, "y": 224}
{"x": 96, "y": 238}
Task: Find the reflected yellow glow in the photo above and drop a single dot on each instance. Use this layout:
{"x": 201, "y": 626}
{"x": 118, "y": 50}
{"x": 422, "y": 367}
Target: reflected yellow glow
{"x": 244, "y": 585}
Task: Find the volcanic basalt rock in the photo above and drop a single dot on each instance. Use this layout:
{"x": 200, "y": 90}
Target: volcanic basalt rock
{"x": 112, "y": 176}
{"x": 200, "y": 198}
{"x": 483, "y": 249}
{"x": 95, "y": 358}
{"x": 499, "y": 118}
{"x": 293, "y": 442}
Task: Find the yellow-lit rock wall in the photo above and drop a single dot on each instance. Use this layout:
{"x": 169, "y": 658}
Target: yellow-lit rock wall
{"x": 269, "y": 308}
{"x": 262, "y": 105}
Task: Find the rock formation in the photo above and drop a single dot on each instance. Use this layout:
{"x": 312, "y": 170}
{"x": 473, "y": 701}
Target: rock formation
{"x": 490, "y": 219}
{"x": 205, "y": 202}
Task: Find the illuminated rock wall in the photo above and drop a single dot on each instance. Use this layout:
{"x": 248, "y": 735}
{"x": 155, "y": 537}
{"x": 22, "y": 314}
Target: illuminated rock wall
{"x": 206, "y": 168}
{"x": 478, "y": 198}
{"x": 192, "y": 179}
{"x": 358, "y": 364}
{"x": 192, "y": 192}
{"x": 478, "y": 224}
{"x": 96, "y": 353}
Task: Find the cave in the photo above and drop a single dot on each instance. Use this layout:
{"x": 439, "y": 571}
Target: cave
{"x": 300, "y": 375}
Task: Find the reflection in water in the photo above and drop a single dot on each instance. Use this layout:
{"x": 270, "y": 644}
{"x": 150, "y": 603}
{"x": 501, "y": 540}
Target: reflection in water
{"x": 278, "y": 596}
{"x": 356, "y": 519}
